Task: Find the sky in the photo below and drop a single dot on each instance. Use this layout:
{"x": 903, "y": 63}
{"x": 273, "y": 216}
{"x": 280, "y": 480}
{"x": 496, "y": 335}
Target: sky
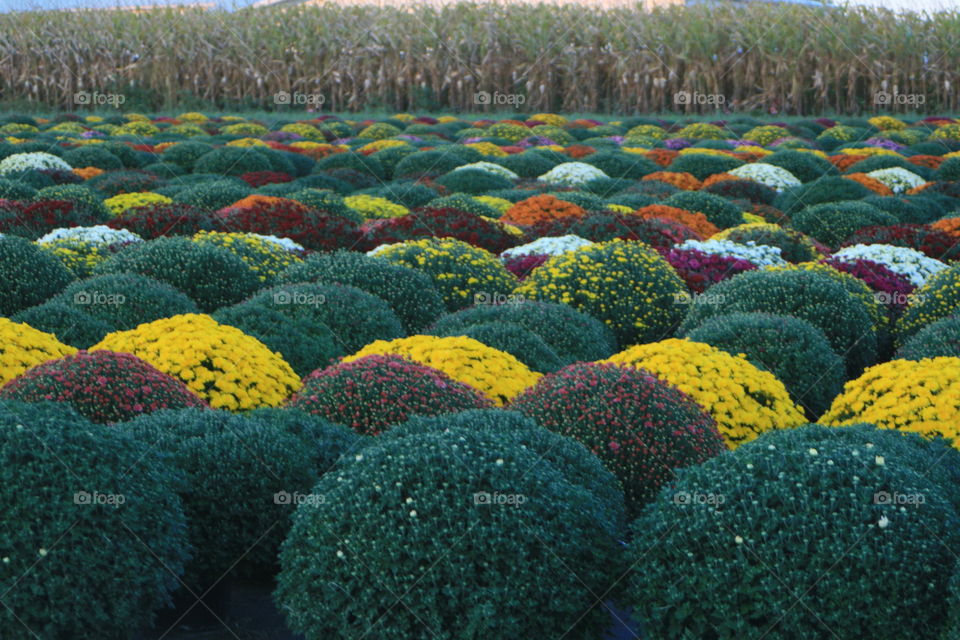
{"x": 13, "y": 5}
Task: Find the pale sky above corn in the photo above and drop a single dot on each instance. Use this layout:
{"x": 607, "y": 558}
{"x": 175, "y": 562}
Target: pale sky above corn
{"x": 13, "y": 5}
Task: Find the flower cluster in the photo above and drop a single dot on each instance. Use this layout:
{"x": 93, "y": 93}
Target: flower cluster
{"x": 758, "y": 255}
{"x": 374, "y": 392}
{"x": 627, "y": 285}
{"x": 371, "y": 207}
{"x": 911, "y": 264}
{"x": 745, "y": 401}
{"x": 770, "y": 175}
{"x": 897, "y": 179}
{"x": 572, "y": 174}
{"x": 460, "y": 272}
{"x": 221, "y": 364}
{"x": 541, "y": 208}
{"x": 103, "y": 386}
{"x": 496, "y": 374}
{"x": 919, "y": 396}
{"x": 123, "y": 203}
{"x": 267, "y": 256}
{"x": 550, "y": 246}
{"x": 700, "y": 270}
{"x": 425, "y": 222}
{"x": 641, "y": 427}
{"x": 35, "y": 160}
{"x": 23, "y": 347}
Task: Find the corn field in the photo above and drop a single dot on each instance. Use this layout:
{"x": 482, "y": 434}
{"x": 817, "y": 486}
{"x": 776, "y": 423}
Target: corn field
{"x": 560, "y": 57}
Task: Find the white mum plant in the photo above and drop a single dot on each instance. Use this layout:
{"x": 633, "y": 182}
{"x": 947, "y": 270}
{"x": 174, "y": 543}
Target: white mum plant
{"x": 910, "y": 263}
{"x": 761, "y": 255}
{"x": 547, "y": 246}
{"x": 489, "y": 167}
{"x": 32, "y": 160}
{"x": 897, "y": 178}
{"x": 769, "y": 174}
{"x": 572, "y": 174}
{"x": 98, "y": 235}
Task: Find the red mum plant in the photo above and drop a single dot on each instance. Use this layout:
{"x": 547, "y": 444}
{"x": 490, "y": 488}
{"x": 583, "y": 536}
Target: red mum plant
{"x": 523, "y": 265}
{"x": 311, "y": 228}
{"x": 103, "y": 386}
{"x": 640, "y": 427}
{"x": 158, "y": 220}
{"x": 601, "y": 226}
{"x": 701, "y": 270}
{"x": 928, "y": 240}
{"x": 427, "y": 222}
{"x": 259, "y": 178}
{"x": 891, "y": 289}
{"x": 372, "y": 393}
{"x": 37, "y": 218}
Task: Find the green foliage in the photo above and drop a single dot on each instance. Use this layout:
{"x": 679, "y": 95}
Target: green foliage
{"x": 832, "y": 189}
{"x": 125, "y": 300}
{"x": 93, "y": 534}
{"x": 617, "y": 164}
{"x": 793, "y": 350}
{"x": 579, "y": 466}
{"x": 210, "y": 275}
{"x": 475, "y": 181}
{"x": 420, "y": 521}
{"x": 807, "y": 167}
{"x": 242, "y": 476}
{"x": 355, "y": 317}
{"x": 213, "y": 194}
{"x": 719, "y": 211}
{"x": 92, "y": 155}
{"x": 67, "y": 322}
{"x": 702, "y": 165}
{"x": 29, "y": 274}
{"x": 815, "y": 297}
{"x": 410, "y": 293}
{"x": 783, "y": 505}
{"x": 572, "y": 335}
{"x": 305, "y": 343}
{"x": 832, "y": 223}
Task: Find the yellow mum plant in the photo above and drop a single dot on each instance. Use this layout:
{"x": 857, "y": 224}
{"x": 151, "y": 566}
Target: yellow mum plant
{"x": 744, "y": 400}
{"x": 497, "y": 374}
{"x": 267, "y": 257}
{"x": 375, "y": 207}
{"x": 22, "y": 347}
{"x": 921, "y": 396}
{"x": 119, "y": 205}
{"x": 221, "y": 364}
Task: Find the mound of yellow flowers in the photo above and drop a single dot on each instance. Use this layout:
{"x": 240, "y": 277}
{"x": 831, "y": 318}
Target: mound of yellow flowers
{"x": 921, "y": 396}
{"x": 744, "y": 400}
{"x": 222, "y": 364}
{"x": 22, "y": 347}
{"x": 496, "y": 374}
